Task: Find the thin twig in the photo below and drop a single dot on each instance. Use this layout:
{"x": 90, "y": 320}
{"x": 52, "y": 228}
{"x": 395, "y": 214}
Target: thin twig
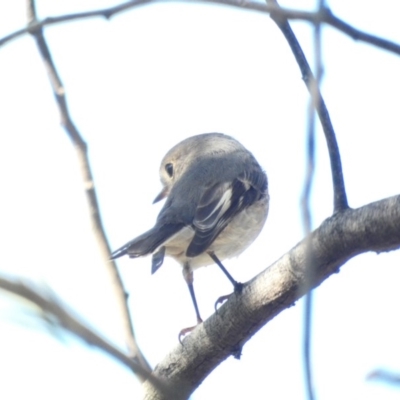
{"x": 314, "y": 104}
{"x": 308, "y": 301}
{"x": 58, "y": 312}
{"x": 325, "y": 15}
{"x": 339, "y": 192}
{"x": 386, "y": 376}
{"x": 87, "y": 177}
{"x": 357, "y": 34}
{"x": 307, "y": 219}
{"x": 53, "y": 308}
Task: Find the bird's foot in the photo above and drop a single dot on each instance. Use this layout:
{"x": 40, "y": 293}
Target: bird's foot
{"x": 220, "y": 300}
{"x": 186, "y": 331}
{"x": 238, "y": 287}
{"x": 237, "y": 352}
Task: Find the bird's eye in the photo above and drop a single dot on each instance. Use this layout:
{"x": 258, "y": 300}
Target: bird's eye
{"x": 170, "y": 169}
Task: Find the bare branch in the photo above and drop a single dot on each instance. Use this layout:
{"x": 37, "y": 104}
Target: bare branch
{"x": 374, "y": 227}
{"x": 339, "y": 195}
{"x": 53, "y": 307}
{"x": 314, "y": 104}
{"x": 87, "y": 177}
{"x": 324, "y": 16}
{"x": 389, "y": 377}
{"x": 357, "y": 34}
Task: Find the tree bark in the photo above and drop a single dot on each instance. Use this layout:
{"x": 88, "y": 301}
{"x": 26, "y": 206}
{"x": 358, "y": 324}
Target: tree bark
{"x": 374, "y": 227}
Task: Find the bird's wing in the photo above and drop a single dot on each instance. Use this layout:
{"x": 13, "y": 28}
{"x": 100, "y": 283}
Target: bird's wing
{"x": 220, "y": 204}
{"x": 148, "y": 242}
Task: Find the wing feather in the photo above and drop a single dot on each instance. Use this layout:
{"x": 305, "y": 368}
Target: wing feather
{"x": 221, "y": 203}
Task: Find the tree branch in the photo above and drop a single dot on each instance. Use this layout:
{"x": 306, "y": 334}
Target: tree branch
{"x": 313, "y": 104}
{"x": 385, "y": 376}
{"x": 374, "y": 227}
{"x": 339, "y": 191}
{"x": 54, "y": 308}
{"x": 324, "y": 16}
{"x": 87, "y": 178}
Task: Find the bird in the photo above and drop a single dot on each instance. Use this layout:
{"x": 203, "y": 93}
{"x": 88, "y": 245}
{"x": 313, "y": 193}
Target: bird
{"x": 216, "y": 205}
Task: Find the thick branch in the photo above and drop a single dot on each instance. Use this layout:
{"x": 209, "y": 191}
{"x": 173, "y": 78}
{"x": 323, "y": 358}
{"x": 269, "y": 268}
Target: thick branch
{"x": 87, "y": 178}
{"x": 374, "y": 227}
{"x": 325, "y": 16}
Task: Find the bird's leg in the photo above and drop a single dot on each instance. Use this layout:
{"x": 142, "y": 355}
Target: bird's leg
{"x": 236, "y": 285}
{"x": 188, "y": 276}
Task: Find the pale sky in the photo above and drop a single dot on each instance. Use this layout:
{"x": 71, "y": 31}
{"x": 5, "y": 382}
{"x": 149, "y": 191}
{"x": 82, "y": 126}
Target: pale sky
{"x": 138, "y": 84}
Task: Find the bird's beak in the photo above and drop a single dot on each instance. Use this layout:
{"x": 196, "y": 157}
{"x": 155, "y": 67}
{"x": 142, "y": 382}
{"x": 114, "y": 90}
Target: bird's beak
{"x": 162, "y": 195}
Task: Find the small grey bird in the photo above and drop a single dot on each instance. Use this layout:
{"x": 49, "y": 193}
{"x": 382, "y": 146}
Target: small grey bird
{"x": 217, "y": 204}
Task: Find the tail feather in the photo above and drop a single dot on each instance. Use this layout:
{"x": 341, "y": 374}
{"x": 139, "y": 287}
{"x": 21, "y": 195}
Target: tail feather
{"x": 148, "y": 242}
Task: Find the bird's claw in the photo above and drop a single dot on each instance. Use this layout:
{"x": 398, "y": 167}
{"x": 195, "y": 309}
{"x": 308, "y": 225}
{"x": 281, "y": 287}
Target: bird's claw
{"x": 238, "y": 287}
{"x": 185, "y": 331}
{"x": 220, "y": 300}
{"x": 237, "y": 352}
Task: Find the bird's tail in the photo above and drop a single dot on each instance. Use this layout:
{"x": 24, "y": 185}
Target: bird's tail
{"x": 148, "y": 242}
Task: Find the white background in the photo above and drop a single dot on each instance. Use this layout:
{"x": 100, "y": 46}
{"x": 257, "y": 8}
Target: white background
{"x": 138, "y": 84}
